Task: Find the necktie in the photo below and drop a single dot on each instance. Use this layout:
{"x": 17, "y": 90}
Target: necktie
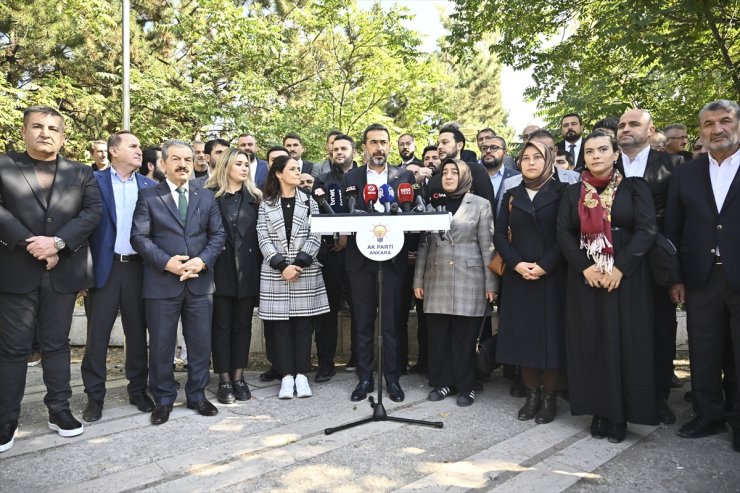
{"x": 182, "y": 203}
{"x": 572, "y": 151}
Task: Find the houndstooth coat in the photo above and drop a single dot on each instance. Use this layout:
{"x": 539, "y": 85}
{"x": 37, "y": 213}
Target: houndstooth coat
{"x": 305, "y": 297}
{"x": 453, "y": 271}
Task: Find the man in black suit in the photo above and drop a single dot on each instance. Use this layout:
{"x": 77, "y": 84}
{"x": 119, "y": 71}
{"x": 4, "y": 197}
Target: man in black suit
{"x": 571, "y": 128}
{"x": 638, "y": 159}
{"x": 294, "y": 144}
{"x": 48, "y": 208}
{"x": 676, "y": 139}
{"x": 177, "y": 230}
{"x": 363, "y": 271}
{"x": 407, "y": 151}
{"x": 703, "y": 221}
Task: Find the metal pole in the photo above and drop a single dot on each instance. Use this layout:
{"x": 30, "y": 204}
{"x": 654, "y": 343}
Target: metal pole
{"x": 126, "y": 44}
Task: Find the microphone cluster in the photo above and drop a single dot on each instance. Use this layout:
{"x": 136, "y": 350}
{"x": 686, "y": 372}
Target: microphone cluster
{"x": 405, "y": 199}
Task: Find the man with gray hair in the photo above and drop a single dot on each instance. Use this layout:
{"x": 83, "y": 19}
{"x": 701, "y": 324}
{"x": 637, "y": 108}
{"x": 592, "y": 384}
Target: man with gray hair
{"x": 177, "y": 230}
{"x": 676, "y": 140}
{"x": 658, "y": 141}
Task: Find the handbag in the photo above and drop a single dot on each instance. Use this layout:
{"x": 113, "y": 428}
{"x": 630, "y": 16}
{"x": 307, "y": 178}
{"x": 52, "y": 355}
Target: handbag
{"x": 497, "y": 264}
{"x": 663, "y": 262}
{"x": 485, "y": 352}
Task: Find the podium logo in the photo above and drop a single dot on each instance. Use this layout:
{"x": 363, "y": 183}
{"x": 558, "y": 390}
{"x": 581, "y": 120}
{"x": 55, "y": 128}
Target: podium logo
{"x": 380, "y": 241}
{"x": 380, "y": 231}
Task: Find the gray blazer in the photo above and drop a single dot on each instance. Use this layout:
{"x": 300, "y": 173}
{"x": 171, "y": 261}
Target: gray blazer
{"x": 280, "y": 299}
{"x": 453, "y": 271}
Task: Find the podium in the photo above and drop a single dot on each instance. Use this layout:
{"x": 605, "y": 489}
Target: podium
{"x": 380, "y": 237}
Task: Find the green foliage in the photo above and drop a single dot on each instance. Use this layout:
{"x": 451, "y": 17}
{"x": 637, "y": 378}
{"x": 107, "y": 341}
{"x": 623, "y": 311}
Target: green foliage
{"x": 599, "y": 57}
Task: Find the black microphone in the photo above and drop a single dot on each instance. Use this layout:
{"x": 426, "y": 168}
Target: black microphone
{"x": 419, "y": 205}
{"x": 336, "y": 198}
{"x": 439, "y": 201}
{"x": 394, "y": 208}
{"x": 319, "y": 195}
{"x": 351, "y": 193}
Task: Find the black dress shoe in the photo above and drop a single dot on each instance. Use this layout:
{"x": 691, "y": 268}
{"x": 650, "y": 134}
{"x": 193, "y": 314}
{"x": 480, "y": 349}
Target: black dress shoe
{"x": 225, "y": 393}
{"x": 599, "y": 427}
{"x": 362, "y": 389}
{"x": 325, "y": 373}
{"x": 270, "y": 375}
{"x": 93, "y": 411}
{"x": 395, "y": 392}
{"x": 701, "y": 427}
{"x": 548, "y": 409}
{"x": 161, "y": 413}
{"x": 616, "y": 432}
{"x": 204, "y": 407}
{"x": 241, "y": 391}
{"x": 532, "y": 404}
{"x": 665, "y": 414}
{"x": 518, "y": 389}
{"x": 143, "y": 402}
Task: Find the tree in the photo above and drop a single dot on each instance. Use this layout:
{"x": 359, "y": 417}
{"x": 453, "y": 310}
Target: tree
{"x": 599, "y": 57}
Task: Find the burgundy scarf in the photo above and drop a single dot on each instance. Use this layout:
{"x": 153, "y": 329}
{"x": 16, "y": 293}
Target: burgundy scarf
{"x": 595, "y": 213}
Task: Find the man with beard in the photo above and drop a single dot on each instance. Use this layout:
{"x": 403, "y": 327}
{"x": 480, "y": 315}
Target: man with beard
{"x": 363, "y": 272}
{"x": 324, "y": 166}
{"x": 294, "y": 144}
{"x": 257, "y": 167}
{"x": 571, "y": 127}
{"x": 493, "y": 150}
{"x": 430, "y": 157}
{"x": 638, "y": 159}
{"x": 200, "y": 166}
{"x": 482, "y": 137}
{"x": 407, "y": 150}
{"x": 152, "y": 164}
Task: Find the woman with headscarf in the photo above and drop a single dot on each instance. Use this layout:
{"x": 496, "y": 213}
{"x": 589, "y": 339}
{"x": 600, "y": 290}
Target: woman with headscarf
{"x": 531, "y": 308}
{"x": 606, "y": 225}
{"x": 452, "y": 279}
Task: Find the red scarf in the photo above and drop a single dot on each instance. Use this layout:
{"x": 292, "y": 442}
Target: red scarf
{"x": 595, "y": 213}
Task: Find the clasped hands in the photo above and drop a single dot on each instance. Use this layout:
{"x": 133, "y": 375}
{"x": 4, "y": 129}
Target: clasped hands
{"x": 597, "y": 279}
{"x": 419, "y": 294}
{"x": 42, "y": 248}
{"x": 184, "y": 266}
{"x": 530, "y": 271}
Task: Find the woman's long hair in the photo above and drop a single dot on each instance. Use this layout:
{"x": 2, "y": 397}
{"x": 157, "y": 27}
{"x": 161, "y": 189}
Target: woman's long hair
{"x": 219, "y": 179}
{"x": 272, "y": 184}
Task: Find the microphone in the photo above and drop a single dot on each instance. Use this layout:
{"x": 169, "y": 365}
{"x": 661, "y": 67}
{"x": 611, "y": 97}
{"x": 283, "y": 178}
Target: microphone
{"x": 387, "y": 196}
{"x": 394, "y": 208}
{"x": 405, "y": 196}
{"x": 319, "y": 196}
{"x": 419, "y": 205}
{"x": 370, "y": 196}
{"x": 336, "y": 199}
{"x": 439, "y": 200}
{"x": 351, "y": 193}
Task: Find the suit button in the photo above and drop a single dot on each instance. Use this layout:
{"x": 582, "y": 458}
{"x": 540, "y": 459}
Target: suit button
{"x": 719, "y": 227}
{"x": 712, "y": 250}
{"x": 48, "y": 219}
{"x": 452, "y": 262}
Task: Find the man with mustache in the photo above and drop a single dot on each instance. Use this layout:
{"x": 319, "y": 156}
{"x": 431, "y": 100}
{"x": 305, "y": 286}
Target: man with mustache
{"x": 571, "y": 128}
{"x": 48, "y": 208}
{"x": 177, "y": 230}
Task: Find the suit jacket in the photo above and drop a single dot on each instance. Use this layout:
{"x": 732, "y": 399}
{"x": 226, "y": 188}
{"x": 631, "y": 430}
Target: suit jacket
{"x": 236, "y": 272}
{"x": 415, "y": 161}
{"x": 103, "y": 238}
{"x": 305, "y": 297}
{"x": 355, "y": 260}
{"x": 261, "y": 174}
{"x": 158, "y": 233}
{"x": 72, "y": 212}
{"x": 509, "y": 180}
{"x": 580, "y": 163}
{"x": 697, "y": 228}
{"x": 308, "y": 167}
{"x": 453, "y": 270}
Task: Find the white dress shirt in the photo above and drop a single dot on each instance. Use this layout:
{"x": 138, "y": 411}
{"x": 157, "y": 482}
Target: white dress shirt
{"x": 253, "y": 170}
{"x": 637, "y": 166}
{"x": 722, "y": 175}
{"x": 378, "y": 179}
{"x": 576, "y": 149}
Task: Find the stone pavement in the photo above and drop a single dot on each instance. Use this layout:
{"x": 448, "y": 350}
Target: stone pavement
{"x": 266, "y": 444}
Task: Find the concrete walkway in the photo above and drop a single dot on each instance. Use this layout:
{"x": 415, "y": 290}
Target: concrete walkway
{"x": 266, "y": 444}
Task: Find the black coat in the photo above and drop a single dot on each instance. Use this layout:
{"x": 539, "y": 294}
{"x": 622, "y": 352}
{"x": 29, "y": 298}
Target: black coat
{"x": 237, "y": 269}
{"x": 532, "y": 313}
{"x": 609, "y": 336}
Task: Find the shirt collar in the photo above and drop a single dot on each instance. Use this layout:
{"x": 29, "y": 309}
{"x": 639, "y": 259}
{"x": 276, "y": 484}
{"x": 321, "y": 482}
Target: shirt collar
{"x": 385, "y": 170}
{"x": 173, "y": 187}
{"x": 115, "y": 173}
{"x": 729, "y": 160}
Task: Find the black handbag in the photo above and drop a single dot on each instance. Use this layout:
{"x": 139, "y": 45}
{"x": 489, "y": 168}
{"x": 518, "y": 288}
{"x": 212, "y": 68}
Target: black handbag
{"x": 663, "y": 262}
{"x": 485, "y": 352}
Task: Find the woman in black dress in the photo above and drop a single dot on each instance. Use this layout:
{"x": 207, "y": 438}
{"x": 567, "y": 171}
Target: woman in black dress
{"x": 606, "y": 225}
{"x": 236, "y": 273}
{"x": 532, "y": 305}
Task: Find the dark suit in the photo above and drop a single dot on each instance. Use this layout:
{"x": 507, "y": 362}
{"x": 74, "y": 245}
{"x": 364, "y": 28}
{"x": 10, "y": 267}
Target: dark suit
{"x": 415, "y": 161}
{"x": 157, "y": 234}
{"x": 363, "y": 283}
{"x": 261, "y": 174}
{"x": 580, "y": 163}
{"x": 697, "y": 228}
{"x": 307, "y": 167}
{"x": 118, "y": 284}
{"x": 237, "y": 279}
{"x": 30, "y": 296}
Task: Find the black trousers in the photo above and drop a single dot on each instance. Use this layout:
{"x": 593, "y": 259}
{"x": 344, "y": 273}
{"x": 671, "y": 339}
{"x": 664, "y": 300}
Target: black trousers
{"x": 122, "y": 290}
{"x": 713, "y": 312}
{"x": 364, "y": 306}
{"x": 407, "y": 295}
{"x": 664, "y": 341}
{"x": 451, "y": 360}
{"x": 21, "y": 315}
{"x": 232, "y": 332}
{"x": 292, "y": 344}
{"x": 337, "y": 285}
{"x": 162, "y": 316}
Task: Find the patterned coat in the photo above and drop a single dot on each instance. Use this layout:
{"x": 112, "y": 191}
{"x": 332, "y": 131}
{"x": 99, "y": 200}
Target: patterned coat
{"x": 453, "y": 271}
{"x": 279, "y": 299}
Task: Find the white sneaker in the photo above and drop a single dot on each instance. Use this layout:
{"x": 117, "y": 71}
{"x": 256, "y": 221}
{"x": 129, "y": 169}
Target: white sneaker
{"x": 301, "y": 386}
{"x": 286, "y": 388}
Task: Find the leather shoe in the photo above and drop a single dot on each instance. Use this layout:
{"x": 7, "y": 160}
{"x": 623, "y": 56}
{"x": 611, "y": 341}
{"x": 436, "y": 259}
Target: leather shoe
{"x": 362, "y": 389}
{"x": 701, "y": 427}
{"x": 270, "y": 375}
{"x": 665, "y": 414}
{"x": 93, "y": 411}
{"x": 325, "y": 373}
{"x": 143, "y": 402}
{"x": 204, "y": 407}
{"x": 616, "y": 432}
{"x": 395, "y": 392}
{"x": 161, "y": 413}
{"x": 599, "y": 426}
{"x": 518, "y": 389}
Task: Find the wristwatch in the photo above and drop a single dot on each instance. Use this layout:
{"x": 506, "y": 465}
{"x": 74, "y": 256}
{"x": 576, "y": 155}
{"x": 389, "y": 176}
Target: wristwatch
{"x": 59, "y": 243}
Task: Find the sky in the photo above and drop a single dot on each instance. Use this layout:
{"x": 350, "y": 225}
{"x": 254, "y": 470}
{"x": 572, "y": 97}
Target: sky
{"x": 513, "y": 83}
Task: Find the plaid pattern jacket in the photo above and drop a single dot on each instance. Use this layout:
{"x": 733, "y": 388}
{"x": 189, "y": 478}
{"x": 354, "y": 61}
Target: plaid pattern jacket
{"x": 305, "y": 297}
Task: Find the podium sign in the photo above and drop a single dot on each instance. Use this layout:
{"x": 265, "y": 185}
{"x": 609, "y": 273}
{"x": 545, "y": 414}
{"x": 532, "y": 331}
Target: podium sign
{"x": 380, "y": 236}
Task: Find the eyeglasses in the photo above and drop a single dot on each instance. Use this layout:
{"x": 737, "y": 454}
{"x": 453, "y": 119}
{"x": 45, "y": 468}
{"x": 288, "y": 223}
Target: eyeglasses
{"x": 493, "y": 148}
